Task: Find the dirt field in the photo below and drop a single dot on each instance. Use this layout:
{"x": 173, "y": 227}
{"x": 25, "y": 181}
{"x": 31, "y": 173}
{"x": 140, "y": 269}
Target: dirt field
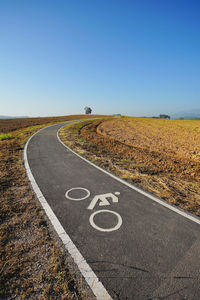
{"x": 160, "y": 156}
{"x": 178, "y": 138}
{"x": 33, "y": 264}
{"x": 8, "y": 125}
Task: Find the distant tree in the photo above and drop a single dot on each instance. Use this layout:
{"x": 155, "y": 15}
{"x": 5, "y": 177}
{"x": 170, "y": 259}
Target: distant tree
{"x": 88, "y": 110}
{"x": 164, "y": 116}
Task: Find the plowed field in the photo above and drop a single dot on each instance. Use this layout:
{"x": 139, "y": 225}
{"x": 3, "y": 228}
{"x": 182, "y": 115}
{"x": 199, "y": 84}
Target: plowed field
{"x": 178, "y": 138}
{"x": 160, "y": 156}
{"x": 8, "y": 125}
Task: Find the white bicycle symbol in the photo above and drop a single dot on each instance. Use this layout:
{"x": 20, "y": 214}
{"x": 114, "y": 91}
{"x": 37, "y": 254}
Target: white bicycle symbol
{"x": 103, "y": 198}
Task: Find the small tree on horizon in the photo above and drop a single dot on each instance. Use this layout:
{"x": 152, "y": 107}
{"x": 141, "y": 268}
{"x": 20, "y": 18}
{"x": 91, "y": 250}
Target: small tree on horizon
{"x": 88, "y": 110}
{"x": 164, "y": 116}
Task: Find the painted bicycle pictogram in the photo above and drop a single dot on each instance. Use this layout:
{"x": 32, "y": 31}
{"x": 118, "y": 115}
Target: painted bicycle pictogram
{"x": 100, "y": 200}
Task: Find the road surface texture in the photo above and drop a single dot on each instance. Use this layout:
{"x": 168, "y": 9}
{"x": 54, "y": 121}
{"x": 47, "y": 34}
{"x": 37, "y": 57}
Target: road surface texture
{"x": 138, "y": 248}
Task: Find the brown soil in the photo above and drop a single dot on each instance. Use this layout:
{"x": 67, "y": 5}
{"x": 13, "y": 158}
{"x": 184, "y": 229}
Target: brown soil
{"x": 139, "y": 146}
{"x": 8, "y": 125}
{"x": 172, "y": 177}
{"x": 178, "y": 138}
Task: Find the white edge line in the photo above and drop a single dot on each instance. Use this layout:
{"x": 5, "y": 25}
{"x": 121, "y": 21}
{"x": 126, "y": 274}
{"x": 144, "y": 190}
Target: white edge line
{"x": 162, "y": 202}
{"x": 90, "y": 277}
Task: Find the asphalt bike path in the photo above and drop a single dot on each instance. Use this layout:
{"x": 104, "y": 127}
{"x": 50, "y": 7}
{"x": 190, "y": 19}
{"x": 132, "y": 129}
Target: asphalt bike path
{"x": 138, "y": 248}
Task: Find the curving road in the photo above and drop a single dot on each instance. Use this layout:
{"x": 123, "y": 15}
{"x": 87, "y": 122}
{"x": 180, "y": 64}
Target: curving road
{"x": 137, "y": 247}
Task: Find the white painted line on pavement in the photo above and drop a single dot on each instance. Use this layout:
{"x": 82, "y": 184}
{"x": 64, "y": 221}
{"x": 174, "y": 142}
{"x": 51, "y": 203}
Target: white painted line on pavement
{"x": 162, "y": 202}
{"x": 75, "y": 189}
{"x": 90, "y": 277}
{"x": 116, "y": 227}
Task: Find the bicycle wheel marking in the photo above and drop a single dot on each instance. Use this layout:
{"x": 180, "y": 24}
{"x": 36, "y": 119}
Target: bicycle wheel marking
{"x": 116, "y": 227}
{"x": 77, "y": 199}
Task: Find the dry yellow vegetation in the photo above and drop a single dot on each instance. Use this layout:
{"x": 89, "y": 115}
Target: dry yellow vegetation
{"x": 179, "y": 138}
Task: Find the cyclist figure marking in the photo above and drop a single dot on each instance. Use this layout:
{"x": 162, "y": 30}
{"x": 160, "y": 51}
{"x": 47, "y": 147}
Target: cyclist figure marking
{"x": 103, "y": 199}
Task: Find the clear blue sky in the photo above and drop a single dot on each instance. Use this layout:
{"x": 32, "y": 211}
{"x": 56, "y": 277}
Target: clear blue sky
{"x": 116, "y": 56}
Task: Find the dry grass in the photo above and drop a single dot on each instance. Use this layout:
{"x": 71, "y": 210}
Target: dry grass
{"x": 33, "y": 263}
{"x": 160, "y": 156}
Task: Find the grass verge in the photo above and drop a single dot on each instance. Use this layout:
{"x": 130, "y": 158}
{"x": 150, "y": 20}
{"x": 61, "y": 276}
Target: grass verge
{"x": 5, "y": 136}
